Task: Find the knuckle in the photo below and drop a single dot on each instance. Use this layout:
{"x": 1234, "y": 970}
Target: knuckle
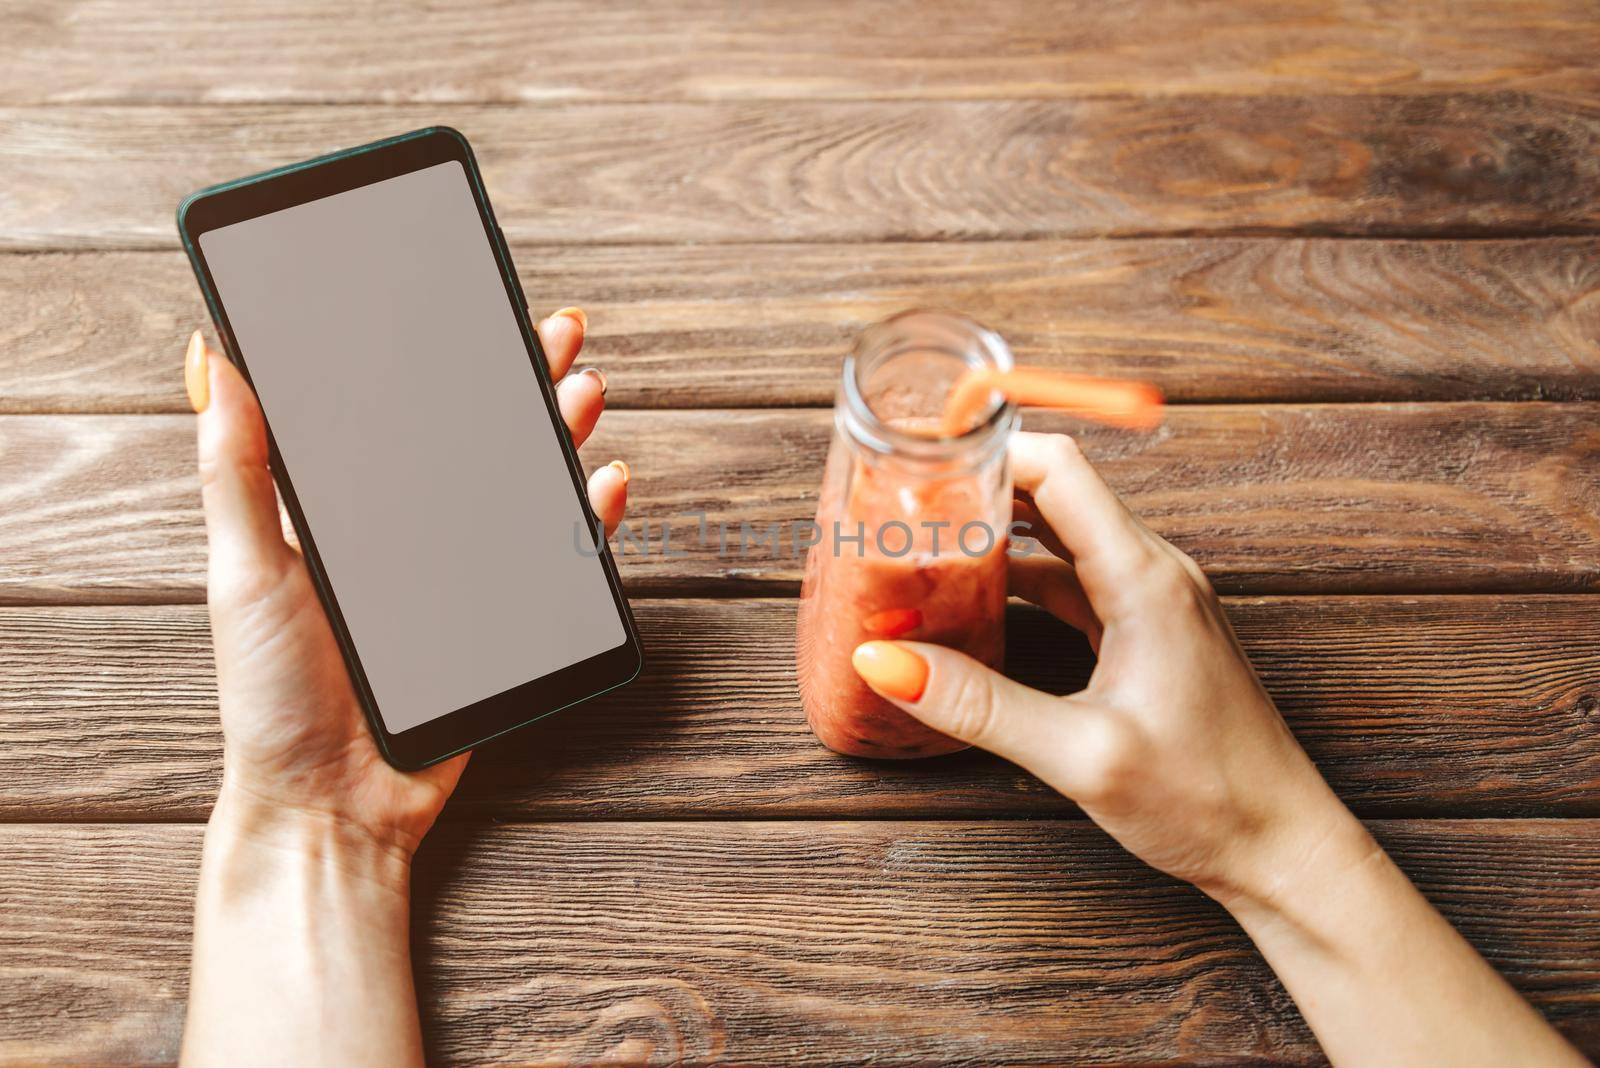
{"x": 232, "y": 584}
{"x": 1195, "y": 572}
{"x": 1064, "y": 450}
{"x": 972, "y": 708}
{"x": 1187, "y": 603}
{"x": 210, "y": 470}
{"x": 1167, "y": 580}
{"x": 1108, "y": 747}
{"x": 233, "y": 580}
{"x": 219, "y": 468}
{"x": 1148, "y": 561}
{"x": 1139, "y": 569}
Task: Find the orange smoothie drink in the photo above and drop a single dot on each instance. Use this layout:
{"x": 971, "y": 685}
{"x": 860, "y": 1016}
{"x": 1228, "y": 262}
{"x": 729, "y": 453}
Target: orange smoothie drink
{"x": 911, "y": 529}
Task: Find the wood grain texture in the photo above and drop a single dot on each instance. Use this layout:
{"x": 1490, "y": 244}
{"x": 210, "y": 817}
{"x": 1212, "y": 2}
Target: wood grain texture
{"x": 732, "y": 190}
{"x": 793, "y": 943}
{"x": 1478, "y": 164}
{"x": 1442, "y": 705}
{"x": 402, "y": 50}
{"x": 1270, "y": 499}
{"x": 766, "y": 325}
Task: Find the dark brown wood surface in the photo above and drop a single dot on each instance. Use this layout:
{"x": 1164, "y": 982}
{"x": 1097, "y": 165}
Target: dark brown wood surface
{"x": 1356, "y": 245}
{"x": 1254, "y": 319}
{"x": 1440, "y": 165}
{"x": 786, "y": 942}
{"x": 532, "y": 53}
{"x": 1270, "y": 498}
{"x": 1482, "y": 705}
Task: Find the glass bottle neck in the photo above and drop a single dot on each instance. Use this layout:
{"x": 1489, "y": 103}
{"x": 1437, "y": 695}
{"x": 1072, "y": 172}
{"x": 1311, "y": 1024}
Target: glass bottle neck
{"x": 897, "y": 380}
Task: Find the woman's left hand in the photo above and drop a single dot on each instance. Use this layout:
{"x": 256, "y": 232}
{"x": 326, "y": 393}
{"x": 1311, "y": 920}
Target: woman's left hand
{"x": 296, "y": 742}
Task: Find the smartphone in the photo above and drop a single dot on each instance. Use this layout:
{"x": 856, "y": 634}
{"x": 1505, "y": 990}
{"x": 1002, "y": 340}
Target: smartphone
{"x": 369, "y": 299}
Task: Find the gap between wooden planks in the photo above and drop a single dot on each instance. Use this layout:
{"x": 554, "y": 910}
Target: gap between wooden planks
{"x": 1446, "y": 165}
{"x": 249, "y": 51}
{"x": 1457, "y": 706}
{"x": 801, "y": 943}
{"x": 1213, "y": 320}
{"x": 1404, "y": 498}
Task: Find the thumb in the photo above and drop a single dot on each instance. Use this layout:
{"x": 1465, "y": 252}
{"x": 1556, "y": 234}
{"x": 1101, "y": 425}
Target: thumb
{"x": 242, "y": 525}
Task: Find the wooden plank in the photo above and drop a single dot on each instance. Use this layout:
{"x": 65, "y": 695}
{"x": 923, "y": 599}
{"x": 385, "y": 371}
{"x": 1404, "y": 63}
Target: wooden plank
{"x": 765, "y": 325}
{"x": 1478, "y": 706}
{"x": 1271, "y": 499}
{"x": 793, "y": 943}
{"x": 718, "y": 49}
{"x": 1475, "y": 164}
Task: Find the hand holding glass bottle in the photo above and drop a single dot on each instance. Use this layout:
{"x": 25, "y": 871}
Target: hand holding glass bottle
{"x": 1176, "y": 750}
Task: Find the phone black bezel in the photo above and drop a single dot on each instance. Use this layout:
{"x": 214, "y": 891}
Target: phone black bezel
{"x": 262, "y": 194}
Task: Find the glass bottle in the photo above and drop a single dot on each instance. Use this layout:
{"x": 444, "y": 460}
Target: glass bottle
{"x": 911, "y": 527}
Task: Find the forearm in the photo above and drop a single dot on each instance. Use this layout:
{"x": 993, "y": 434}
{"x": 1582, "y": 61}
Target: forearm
{"x": 301, "y": 950}
{"x": 1380, "y": 976}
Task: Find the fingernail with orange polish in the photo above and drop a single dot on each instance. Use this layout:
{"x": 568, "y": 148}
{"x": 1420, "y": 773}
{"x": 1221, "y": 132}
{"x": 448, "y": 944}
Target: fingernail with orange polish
{"x": 578, "y": 314}
{"x": 622, "y": 469}
{"x": 891, "y": 669}
{"x": 892, "y": 622}
{"x": 195, "y": 377}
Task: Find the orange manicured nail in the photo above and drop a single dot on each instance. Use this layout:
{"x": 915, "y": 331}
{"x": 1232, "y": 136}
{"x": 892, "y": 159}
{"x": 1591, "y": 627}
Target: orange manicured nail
{"x": 578, "y": 314}
{"x": 892, "y": 622}
{"x": 891, "y": 669}
{"x": 195, "y": 373}
{"x": 622, "y": 469}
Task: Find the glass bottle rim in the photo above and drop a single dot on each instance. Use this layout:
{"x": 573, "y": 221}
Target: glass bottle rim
{"x": 980, "y": 347}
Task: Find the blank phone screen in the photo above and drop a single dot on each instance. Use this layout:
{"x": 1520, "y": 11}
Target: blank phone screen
{"x": 392, "y": 369}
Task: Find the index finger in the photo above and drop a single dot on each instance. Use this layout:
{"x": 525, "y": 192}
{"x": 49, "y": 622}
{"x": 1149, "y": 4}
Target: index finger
{"x": 1107, "y": 542}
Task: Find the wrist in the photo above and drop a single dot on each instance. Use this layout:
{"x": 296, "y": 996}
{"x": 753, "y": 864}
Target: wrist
{"x": 300, "y": 918}
{"x": 1307, "y": 847}
{"x": 1287, "y": 885}
{"x": 266, "y": 838}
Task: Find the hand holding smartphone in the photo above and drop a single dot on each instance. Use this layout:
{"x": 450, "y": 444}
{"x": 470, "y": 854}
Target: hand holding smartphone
{"x": 370, "y": 301}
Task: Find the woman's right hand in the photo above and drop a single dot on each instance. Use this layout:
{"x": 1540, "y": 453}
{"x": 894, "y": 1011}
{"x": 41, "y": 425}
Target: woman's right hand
{"x": 1177, "y": 751}
{"x": 1173, "y": 747}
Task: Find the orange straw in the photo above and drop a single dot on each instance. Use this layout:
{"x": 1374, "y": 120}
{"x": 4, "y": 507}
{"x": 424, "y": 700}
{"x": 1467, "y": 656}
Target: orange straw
{"x": 1118, "y": 402}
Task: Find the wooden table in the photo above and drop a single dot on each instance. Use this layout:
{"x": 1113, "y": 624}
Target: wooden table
{"x": 1360, "y": 254}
